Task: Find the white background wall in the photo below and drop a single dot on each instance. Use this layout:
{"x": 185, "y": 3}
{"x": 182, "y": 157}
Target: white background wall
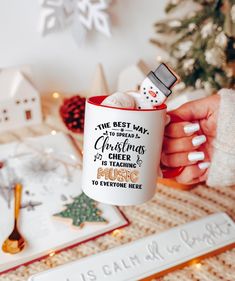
{"x": 58, "y": 64}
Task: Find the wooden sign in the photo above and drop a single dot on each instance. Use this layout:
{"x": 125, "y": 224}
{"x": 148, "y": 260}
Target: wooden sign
{"x": 153, "y": 255}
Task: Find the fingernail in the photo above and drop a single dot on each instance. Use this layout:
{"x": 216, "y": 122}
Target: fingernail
{"x": 191, "y": 128}
{"x": 196, "y": 156}
{"x": 204, "y": 165}
{"x": 198, "y": 140}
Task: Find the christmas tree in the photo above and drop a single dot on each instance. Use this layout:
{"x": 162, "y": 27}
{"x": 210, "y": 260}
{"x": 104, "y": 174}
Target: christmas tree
{"x": 201, "y": 44}
{"x": 82, "y": 209}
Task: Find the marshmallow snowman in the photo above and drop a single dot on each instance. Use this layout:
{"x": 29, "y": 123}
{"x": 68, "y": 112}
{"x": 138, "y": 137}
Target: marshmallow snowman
{"x": 151, "y": 94}
{"x": 154, "y": 90}
{"x": 156, "y": 87}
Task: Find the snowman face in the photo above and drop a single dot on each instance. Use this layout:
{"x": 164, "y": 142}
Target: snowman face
{"x": 151, "y": 93}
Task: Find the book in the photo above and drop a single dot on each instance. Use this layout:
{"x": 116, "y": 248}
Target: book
{"x": 50, "y": 169}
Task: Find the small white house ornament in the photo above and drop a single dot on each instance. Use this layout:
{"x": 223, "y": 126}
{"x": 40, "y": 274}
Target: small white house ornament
{"x": 19, "y": 101}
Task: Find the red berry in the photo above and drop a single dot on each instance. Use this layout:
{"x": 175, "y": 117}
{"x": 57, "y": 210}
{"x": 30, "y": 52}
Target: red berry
{"x": 72, "y": 113}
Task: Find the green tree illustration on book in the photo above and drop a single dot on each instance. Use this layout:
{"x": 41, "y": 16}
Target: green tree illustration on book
{"x": 82, "y": 210}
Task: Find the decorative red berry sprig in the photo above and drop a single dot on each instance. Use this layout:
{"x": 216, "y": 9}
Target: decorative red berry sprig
{"x": 72, "y": 112}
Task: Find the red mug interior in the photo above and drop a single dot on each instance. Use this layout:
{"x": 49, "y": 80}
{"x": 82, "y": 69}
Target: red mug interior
{"x": 97, "y": 100}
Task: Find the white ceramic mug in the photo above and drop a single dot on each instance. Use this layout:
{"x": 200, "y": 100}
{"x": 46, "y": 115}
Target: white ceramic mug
{"x": 122, "y": 149}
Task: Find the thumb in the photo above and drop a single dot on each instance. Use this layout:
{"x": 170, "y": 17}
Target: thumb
{"x": 194, "y": 110}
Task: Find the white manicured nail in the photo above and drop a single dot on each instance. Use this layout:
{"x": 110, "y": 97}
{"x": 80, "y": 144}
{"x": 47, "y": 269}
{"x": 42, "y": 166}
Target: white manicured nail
{"x": 191, "y": 128}
{"x": 198, "y": 140}
{"x": 196, "y": 156}
{"x": 204, "y": 165}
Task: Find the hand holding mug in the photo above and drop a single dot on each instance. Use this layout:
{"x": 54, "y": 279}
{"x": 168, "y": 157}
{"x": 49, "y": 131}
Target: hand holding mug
{"x": 189, "y": 142}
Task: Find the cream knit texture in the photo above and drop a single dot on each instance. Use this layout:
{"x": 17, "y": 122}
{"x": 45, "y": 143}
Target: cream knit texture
{"x": 222, "y": 169}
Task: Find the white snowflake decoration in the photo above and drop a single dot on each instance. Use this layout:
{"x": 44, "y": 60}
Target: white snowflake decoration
{"x": 79, "y": 15}
{"x": 92, "y": 14}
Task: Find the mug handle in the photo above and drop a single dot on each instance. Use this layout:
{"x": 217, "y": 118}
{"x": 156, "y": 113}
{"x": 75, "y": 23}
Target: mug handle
{"x": 167, "y": 172}
{"x": 170, "y": 173}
